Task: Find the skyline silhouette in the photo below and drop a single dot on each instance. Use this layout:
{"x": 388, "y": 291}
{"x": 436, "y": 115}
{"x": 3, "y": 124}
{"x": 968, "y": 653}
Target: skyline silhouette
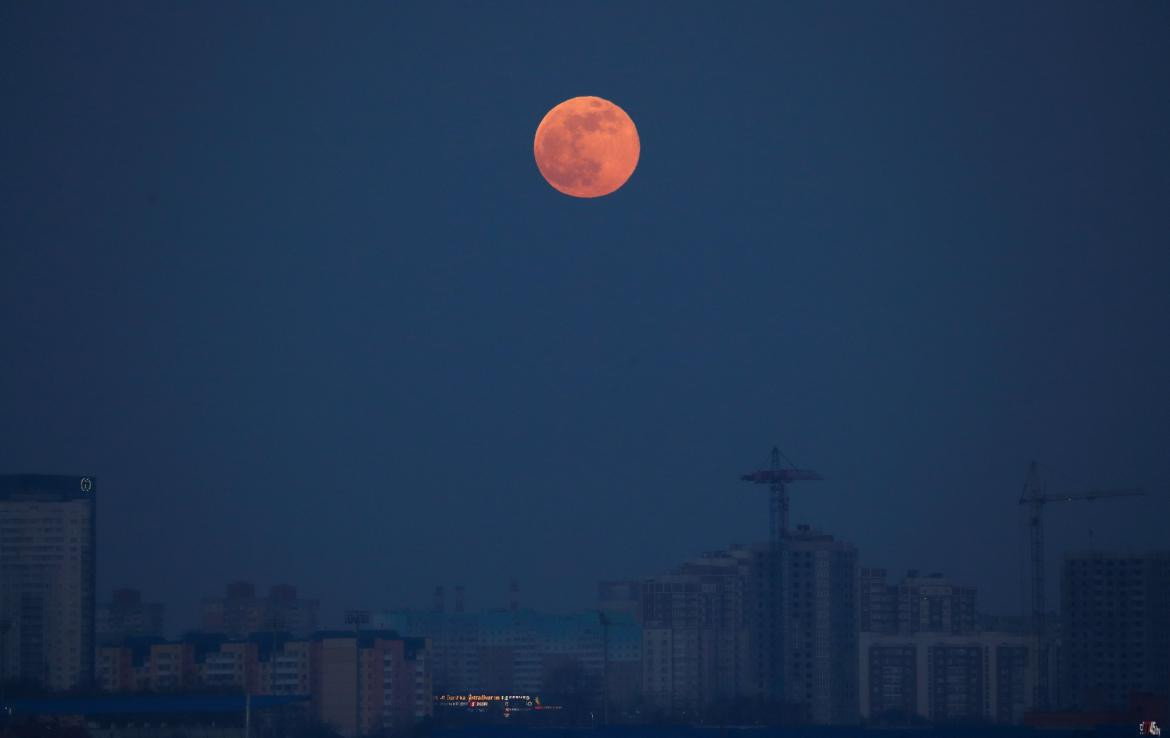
{"x": 291, "y": 285}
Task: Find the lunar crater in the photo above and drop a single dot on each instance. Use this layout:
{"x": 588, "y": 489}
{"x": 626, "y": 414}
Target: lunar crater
{"x": 586, "y": 147}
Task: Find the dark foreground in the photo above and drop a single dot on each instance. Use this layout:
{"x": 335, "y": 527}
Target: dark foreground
{"x": 504, "y": 731}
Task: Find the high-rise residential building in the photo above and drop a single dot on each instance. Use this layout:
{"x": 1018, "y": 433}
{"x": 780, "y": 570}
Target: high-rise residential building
{"x": 455, "y": 645}
{"x": 620, "y": 597}
{"x": 392, "y": 689}
{"x": 932, "y": 604}
{"x": 127, "y": 616}
{"x": 701, "y": 628}
{"x": 1115, "y": 618}
{"x": 878, "y": 601}
{"x": 241, "y": 611}
{"x": 820, "y": 625}
{"x": 917, "y": 604}
{"x": 713, "y": 634}
{"x": 944, "y": 677}
{"x": 47, "y": 571}
{"x": 282, "y": 607}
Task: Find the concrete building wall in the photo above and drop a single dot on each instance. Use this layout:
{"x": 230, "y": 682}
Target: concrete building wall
{"x": 1115, "y": 628}
{"x": 878, "y": 602}
{"x": 658, "y": 669}
{"x": 731, "y": 627}
{"x": 335, "y": 693}
{"x": 978, "y": 677}
{"x": 127, "y": 616}
{"x": 288, "y": 670}
{"x": 620, "y": 597}
{"x": 170, "y": 667}
{"x": 240, "y": 611}
{"x": 47, "y": 571}
{"x": 115, "y": 669}
{"x": 918, "y": 603}
{"x": 520, "y": 651}
{"x": 391, "y": 691}
{"x": 821, "y": 625}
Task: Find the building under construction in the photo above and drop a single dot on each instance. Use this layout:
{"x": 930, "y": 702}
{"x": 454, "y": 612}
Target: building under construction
{"x": 756, "y": 633}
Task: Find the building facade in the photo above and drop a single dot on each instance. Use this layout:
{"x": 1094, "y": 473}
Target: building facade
{"x": 820, "y": 625}
{"x": 241, "y": 611}
{"x": 945, "y": 678}
{"x": 620, "y": 597}
{"x": 375, "y": 682}
{"x": 127, "y": 616}
{"x": 47, "y": 579}
{"x": 1115, "y": 634}
{"x": 700, "y": 633}
{"x": 733, "y": 628}
{"x": 586, "y": 656}
{"x": 358, "y": 684}
{"x": 917, "y": 604}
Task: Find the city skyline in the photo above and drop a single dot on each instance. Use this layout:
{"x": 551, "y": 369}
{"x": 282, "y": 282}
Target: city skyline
{"x": 490, "y": 594}
{"x": 286, "y": 281}
{"x": 352, "y": 301}
{"x": 793, "y": 631}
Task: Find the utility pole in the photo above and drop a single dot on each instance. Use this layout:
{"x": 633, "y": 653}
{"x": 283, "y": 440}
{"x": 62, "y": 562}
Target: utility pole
{"x": 357, "y": 618}
{"x": 1035, "y": 496}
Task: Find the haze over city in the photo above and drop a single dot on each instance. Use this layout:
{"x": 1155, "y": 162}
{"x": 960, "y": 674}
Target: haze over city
{"x": 290, "y": 286}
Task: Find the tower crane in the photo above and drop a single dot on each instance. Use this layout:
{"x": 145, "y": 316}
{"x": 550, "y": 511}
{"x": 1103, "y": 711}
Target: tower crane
{"x": 777, "y": 478}
{"x": 1035, "y": 496}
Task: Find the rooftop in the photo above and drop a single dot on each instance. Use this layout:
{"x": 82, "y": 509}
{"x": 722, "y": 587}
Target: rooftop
{"x": 49, "y": 487}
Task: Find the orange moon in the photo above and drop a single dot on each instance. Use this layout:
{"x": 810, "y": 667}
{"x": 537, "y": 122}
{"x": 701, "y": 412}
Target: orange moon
{"x": 586, "y": 147}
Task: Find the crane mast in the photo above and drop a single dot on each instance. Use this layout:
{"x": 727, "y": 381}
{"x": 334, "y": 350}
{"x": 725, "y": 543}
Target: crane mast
{"x": 777, "y": 479}
{"x": 1035, "y": 496}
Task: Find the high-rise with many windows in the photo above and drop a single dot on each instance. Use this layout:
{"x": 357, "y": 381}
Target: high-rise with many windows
{"x": 715, "y": 638}
{"x": 819, "y": 586}
{"x": 918, "y": 604}
{"x": 127, "y": 616}
{"x": 1116, "y": 630}
{"x": 946, "y": 677}
{"x": 241, "y": 612}
{"x": 47, "y": 548}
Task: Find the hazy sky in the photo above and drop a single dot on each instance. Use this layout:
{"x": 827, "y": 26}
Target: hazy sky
{"x": 288, "y": 282}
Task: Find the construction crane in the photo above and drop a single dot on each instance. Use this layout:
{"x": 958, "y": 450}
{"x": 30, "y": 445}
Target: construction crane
{"x": 1035, "y": 496}
{"x": 777, "y": 478}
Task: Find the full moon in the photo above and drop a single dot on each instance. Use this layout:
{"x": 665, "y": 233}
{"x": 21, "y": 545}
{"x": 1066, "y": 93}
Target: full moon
{"x": 586, "y": 147}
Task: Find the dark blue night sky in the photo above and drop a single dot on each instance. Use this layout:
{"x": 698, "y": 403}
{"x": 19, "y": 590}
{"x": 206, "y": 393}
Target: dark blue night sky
{"x": 288, "y": 281}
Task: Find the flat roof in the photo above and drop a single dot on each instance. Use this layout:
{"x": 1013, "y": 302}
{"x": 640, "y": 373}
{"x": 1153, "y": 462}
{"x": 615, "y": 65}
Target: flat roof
{"x": 48, "y": 487}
